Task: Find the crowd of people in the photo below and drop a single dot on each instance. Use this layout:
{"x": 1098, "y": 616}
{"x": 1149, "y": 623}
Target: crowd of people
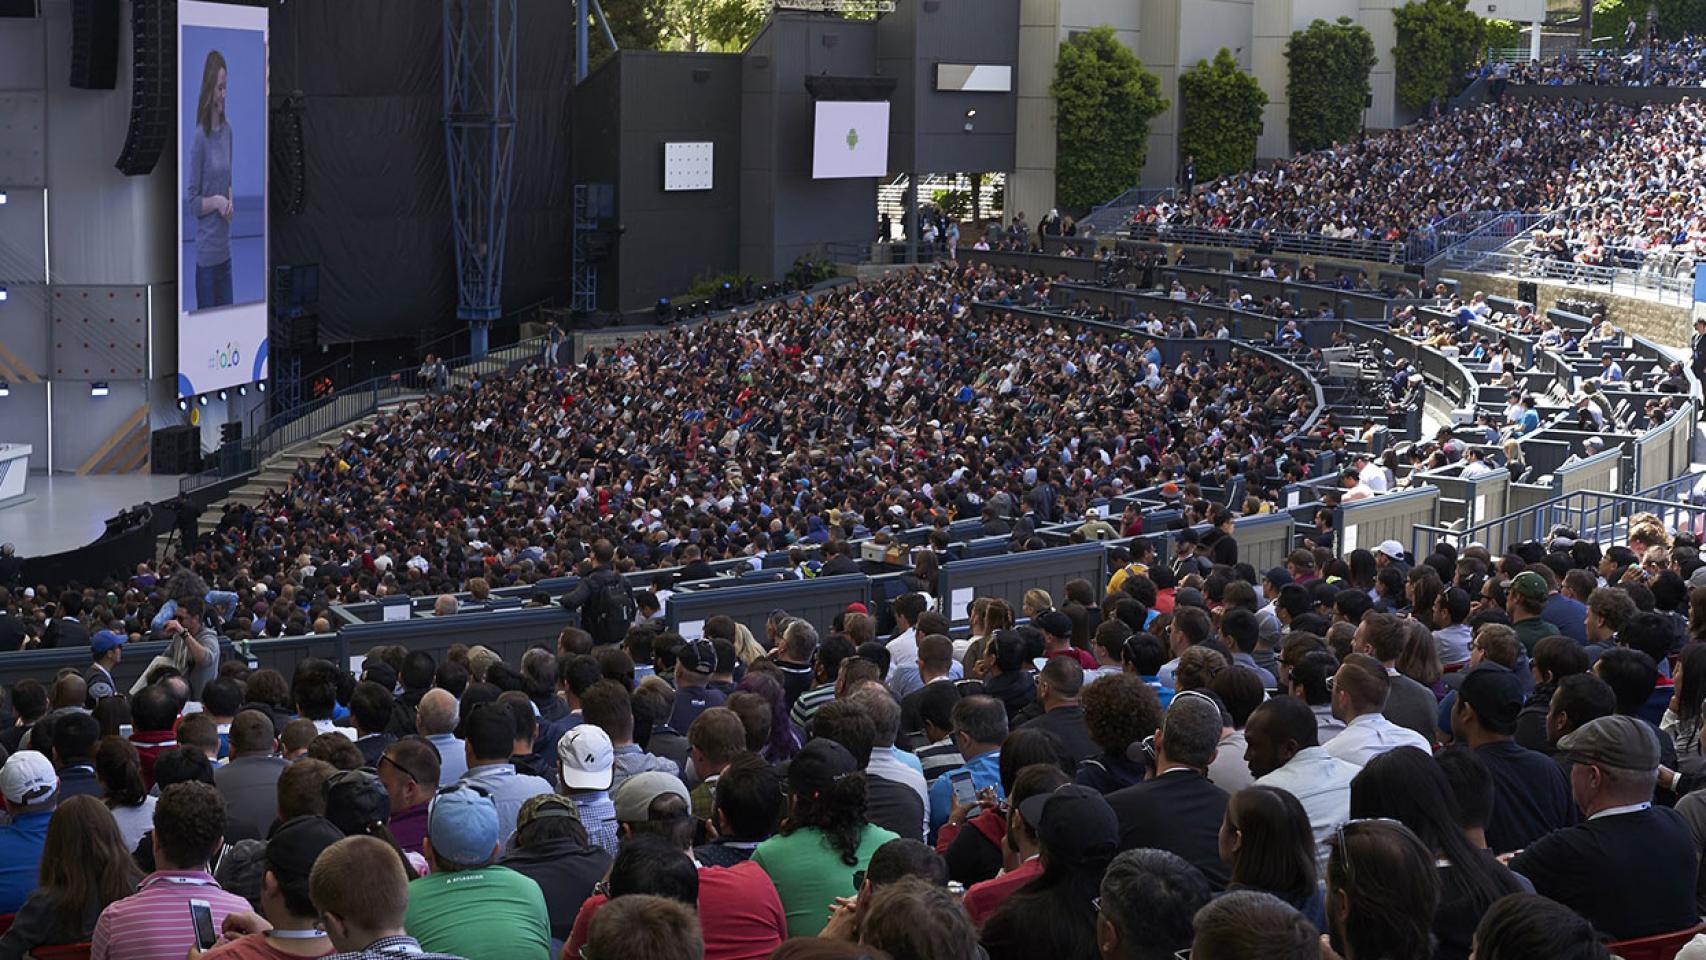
{"x": 1358, "y": 756}
{"x": 1676, "y": 63}
{"x": 872, "y": 409}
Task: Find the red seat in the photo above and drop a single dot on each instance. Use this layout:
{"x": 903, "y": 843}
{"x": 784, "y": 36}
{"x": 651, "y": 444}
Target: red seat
{"x": 1454, "y": 667}
{"x": 1661, "y": 946}
{"x": 64, "y": 951}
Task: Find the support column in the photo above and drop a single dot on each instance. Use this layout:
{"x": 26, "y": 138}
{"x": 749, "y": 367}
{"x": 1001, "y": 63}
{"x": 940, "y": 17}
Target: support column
{"x": 479, "y": 131}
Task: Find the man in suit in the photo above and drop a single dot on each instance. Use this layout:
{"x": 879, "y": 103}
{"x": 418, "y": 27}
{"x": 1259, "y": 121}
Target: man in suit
{"x": 1058, "y": 686}
{"x": 1697, "y": 358}
{"x": 66, "y": 630}
{"x": 1178, "y": 809}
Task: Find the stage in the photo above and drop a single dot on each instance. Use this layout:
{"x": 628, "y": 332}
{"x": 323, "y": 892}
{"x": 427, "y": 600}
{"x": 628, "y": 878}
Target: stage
{"x": 65, "y": 511}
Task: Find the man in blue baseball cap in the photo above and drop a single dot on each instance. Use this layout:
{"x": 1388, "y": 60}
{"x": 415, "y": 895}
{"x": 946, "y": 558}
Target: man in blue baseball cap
{"x": 107, "y": 648}
{"x": 467, "y": 906}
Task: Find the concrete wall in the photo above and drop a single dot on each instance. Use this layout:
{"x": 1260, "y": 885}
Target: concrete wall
{"x": 1664, "y": 324}
{"x": 927, "y": 127}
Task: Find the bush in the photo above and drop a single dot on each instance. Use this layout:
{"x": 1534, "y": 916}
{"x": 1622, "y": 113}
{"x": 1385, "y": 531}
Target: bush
{"x": 954, "y": 204}
{"x": 809, "y": 269}
{"x": 1676, "y": 18}
{"x": 1328, "y": 84}
{"x": 1437, "y": 41}
{"x": 708, "y": 285}
{"x": 1503, "y": 35}
{"x": 1104, "y": 101}
{"x": 1222, "y": 108}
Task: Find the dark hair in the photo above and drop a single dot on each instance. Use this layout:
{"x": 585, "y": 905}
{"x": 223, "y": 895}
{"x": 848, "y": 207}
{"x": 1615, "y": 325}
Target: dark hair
{"x": 1632, "y": 676}
{"x": 902, "y": 858}
{"x": 221, "y": 697}
{"x": 1563, "y": 657}
{"x": 182, "y": 765}
{"x": 1240, "y": 690}
{"x": 1022, "y": 748}
{"x": 154, "y": 708}
{"x": 189, "y": 821}
{"x": 1150, "y": 896}
{"x": 314, "y": 688}
{"x": 1471, "y": 784}
{"x": 848, "y": 724}
{"x": 490, "y": 731}
{"x": 1119, "y": 710}
{"x": 936, "y": 705}
{"x": 119, "y": 768}
{"x": 1277, "y": 852}
{"x": 74, "y": 736}
{"x": 650, "y": 864}
{"x": 1243, "y": 924}
{"x": 418, "y": 670}
{"x": 1390, "y": 879}
{"x": 610, "y": 707}
{"x": 912, "y": 919}
{"x": 749, "y": 796}
{"x": 452, "y": 677}
{"x": 1692, "y": 690}
{"x": 1584, "y": 698}
{"x": 371, "y": 706}
{"x": 1406, "y": 785}
{"x": 1145, "y": 653}
{"x": 836, "y": 809}
{"x": 830, "y": 653}
{"x": 1526, "y": 925}
{"x": 1650, "y": 633}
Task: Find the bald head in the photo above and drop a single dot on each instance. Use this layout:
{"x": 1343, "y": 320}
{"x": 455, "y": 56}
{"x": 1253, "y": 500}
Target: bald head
{"x": 437, "y": 713}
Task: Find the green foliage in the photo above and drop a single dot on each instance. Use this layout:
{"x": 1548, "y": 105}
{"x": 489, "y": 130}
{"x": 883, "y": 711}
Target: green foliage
{"x": 809, "y": 269}
{"x": 1502, "y": 35}
{"x": 1676, "y": 17}
{"x": 1222, "y": 108}
{"x": 707, "y": 285}
{"x": 1328, "y": 84}
{"x": 720, "y": 25}
{"x": 954, "y": 204}
{"x": 1104, "y": 101}
{"x": 1437, "y": 41}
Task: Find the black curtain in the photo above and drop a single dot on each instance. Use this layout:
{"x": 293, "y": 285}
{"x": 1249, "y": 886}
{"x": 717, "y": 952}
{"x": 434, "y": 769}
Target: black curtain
{"x": 377, "y": 219}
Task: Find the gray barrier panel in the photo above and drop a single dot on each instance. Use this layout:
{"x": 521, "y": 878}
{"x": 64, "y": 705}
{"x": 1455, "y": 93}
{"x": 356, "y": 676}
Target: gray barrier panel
{"x": 1390, "y": 516}
{"x": 1010, "y": 576}
{"x": 1264, "y": 540}
{"x": 509, "y": 633}
{"x": 817, "y": 601}
{"x": 1602, "y": 472}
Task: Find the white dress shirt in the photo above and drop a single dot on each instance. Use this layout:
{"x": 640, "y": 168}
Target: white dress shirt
{"x": 1322, "y": 783}
{"x": 1371, "y": 735}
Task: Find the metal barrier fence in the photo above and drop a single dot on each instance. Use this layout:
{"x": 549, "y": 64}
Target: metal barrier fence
{"x": 1617, "y": 281}
{"x": 1010, "y": 576}
{"x": 1313, "y": 244}
{"x": 1590, "y": 514}
{"x": 818, "y": 601}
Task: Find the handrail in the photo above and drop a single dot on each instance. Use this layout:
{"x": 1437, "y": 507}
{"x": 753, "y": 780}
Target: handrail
{"x": 1618, "y": 281}
{"x": 1263, "y": 242}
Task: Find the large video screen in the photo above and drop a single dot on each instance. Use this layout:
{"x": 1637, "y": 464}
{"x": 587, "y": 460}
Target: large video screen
{"x": 222, "y": 193}
{"x": 850, "y": 139}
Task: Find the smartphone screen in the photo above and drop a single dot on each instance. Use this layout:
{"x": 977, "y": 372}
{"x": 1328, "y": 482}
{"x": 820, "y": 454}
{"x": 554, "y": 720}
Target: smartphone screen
{"x": 202, "y": 915}
{"x": 964, "y": 791}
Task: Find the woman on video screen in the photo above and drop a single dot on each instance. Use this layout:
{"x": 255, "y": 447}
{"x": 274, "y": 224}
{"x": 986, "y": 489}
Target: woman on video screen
{"x": 209, "y": 179}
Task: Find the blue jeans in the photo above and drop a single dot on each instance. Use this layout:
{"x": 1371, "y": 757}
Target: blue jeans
{"x": 213, "y": 285}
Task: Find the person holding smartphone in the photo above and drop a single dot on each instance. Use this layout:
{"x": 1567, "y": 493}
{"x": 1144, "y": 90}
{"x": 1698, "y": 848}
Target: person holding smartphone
{"x": 189, "y": 827}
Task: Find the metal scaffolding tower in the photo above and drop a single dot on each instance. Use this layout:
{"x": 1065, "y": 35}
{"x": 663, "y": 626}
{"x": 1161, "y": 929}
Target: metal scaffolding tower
{"x": 583, "y": 278}
{"x": 479, "y": 135}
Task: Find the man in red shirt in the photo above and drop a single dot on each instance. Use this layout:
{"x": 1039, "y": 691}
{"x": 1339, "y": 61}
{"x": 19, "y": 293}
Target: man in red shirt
{"x": 285, "y": 905}
{"x": 1057, "y": 639}
{"x": 740, "y": 914}
{"x": 1024, "y": 865}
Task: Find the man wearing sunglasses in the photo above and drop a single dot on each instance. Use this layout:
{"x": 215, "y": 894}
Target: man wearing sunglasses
{"x": 409, "y": 771}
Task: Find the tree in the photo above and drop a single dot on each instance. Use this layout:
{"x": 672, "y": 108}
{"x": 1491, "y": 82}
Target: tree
{"x": 1437, "y": 41}
{"x": 1504, "y": 34}
{"x": 722, "y": 25}
{"x": 1104, "y": 100}
{"x": 1222, "y": 107}
{"x": 1328, "y": 83}
{"x": 636, "y": 25}
{"x": 1676, "y": 18}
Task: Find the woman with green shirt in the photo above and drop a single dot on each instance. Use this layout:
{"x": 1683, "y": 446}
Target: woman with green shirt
{"x": 825, "y": 838}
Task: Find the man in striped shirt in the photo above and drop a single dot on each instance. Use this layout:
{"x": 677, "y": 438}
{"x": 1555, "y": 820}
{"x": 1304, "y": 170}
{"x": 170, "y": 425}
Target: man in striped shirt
{"x": 826, "y": 667}
{"x": 189, "y": 822}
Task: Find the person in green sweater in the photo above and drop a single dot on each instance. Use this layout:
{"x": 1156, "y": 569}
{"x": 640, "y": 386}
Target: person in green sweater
{"x": 825, "y": 839}
{"x": 467, "y": 906}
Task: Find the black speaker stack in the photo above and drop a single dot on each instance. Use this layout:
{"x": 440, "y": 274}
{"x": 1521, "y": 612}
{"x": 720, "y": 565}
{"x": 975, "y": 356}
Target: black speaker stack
{"x": 94, "y": 44}
{"x": 176, "y": 450}
{"x": 154, "y": 50}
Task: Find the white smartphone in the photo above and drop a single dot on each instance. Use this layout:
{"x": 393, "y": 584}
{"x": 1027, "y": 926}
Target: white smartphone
{"x": 201, "y": 914}
{"x": 964, "y": 791}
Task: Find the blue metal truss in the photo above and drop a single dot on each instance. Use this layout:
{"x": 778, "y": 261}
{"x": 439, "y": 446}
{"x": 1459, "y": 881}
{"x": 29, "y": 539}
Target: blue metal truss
{"x": 479, "y": 134}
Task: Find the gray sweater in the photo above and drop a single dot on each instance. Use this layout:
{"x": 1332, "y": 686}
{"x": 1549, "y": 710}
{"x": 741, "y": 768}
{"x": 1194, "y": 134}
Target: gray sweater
{"x": 209, "y": 175}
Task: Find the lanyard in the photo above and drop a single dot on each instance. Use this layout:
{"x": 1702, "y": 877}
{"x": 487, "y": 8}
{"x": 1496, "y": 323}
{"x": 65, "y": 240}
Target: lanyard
{"x": 296, "y": 934}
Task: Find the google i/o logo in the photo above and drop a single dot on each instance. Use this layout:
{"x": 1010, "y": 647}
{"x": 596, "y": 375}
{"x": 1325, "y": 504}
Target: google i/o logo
{"x": 224, "y": 358}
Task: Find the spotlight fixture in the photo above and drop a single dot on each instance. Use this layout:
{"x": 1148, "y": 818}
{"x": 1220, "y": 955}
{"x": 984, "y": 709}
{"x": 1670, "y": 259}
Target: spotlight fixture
{"x": 202, "y": 399}
{"x": 261, "y": 386}
{"x": 223, "y": 396}
{"x": 2, "y": 294}
{"x": 98, "y": 389}
{"x": 242, "y": 390}
{"x": 5, "y": 389}
{"x": 2, "y": 198}
{"x": 183, "y": 403}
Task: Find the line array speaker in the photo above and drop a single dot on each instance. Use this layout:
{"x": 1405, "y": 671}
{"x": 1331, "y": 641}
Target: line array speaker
{"x": 94, "y": 44}
{"x": 154, "y": 46}
{"x": 175, "y": 450}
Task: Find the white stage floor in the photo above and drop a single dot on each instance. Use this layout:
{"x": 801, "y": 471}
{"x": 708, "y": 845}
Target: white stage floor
{"x": 71, "y": 511}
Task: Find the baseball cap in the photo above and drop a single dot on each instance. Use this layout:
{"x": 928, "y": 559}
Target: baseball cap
{"x": 1529, "y": 584}
{"x": 1054, "y": 623}
{"x": 1391, "y": 548}
{"x": 698, "y": 656}
{"x": 355, "y": 800}
{"x": 818, "y": 765}
{"x": 105, "y": 640}
{"x": 634, "y": 797}
{"x": 28, "y": 778}
{"x": 295, "y": 845}
{"x": 462, "y": 825}
{"x": 1627, "y": 743}
{"x": 1495, "y": 693}
{"x": 380, "y": 672}
{"x": 1278, "y": 576}
{"x": 545, "y": 806}
{"x": 856, "y": 608}
{"x": 1072, "y": 822}
{"x": 587, "y": 757}
{"x": 1186, "y": 535}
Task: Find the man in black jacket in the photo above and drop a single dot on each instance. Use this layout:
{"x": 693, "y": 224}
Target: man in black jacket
{"x": 1630, "y": 867}
{"x": 594, "y": 591}
{"x": 1058, "y": 685}
{"x": 1178, "y": 809}
{"x": 551, "y": 848}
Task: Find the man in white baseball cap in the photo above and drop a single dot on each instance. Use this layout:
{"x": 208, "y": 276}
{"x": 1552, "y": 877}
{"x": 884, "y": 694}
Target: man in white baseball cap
{"x": 585, "y": 764}
{"x": 31, "y": 791}
{"x": 1390, "y": 553}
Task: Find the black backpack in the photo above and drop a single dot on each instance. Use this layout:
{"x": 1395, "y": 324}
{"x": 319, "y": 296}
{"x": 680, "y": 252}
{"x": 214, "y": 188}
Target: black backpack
{"x": 608, "y": 611}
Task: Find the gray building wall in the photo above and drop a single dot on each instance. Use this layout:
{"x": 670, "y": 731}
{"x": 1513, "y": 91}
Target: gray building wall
{"x": 784, "y": 212}
{"x": 928, "y": 127}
